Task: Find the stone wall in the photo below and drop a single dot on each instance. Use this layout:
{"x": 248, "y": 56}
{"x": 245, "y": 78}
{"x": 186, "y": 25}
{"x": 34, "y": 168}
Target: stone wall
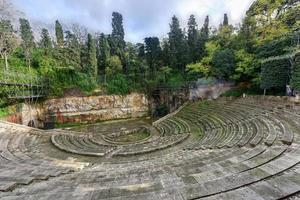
{"x": 86, "y": 109}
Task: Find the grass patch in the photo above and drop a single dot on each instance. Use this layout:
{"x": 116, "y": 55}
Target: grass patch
{"x": 133, "y": 137}
{"x": 4, "y": 112}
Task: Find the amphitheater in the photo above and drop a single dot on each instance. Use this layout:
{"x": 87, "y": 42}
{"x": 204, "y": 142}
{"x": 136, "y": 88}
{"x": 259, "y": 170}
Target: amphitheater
{"x": 229, "y": 148}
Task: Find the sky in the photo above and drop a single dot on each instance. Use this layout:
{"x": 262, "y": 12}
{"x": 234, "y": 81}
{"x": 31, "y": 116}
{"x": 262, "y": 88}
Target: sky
{"x": 142, "y": 18}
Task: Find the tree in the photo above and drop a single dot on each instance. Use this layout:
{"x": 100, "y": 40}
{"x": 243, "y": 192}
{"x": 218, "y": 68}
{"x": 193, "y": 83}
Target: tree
{"x": 192, "y": 39}
{"x": 72, "y": 51}
{"x": 117, "y": 34}
{"x": 223, "y": 64}
{"x": 202, "y": 39}
{"x": 91, "y": 65}
{"x": 246, "y": 66}
{"x": 113, "y": 66}
{"x": 204, "y": 67}
{"x": 205, "y": 28}
{"x": 45, "y": 42}
{"x": 178, "y": 46}
{"x": 8, "y": 40}
{"x": 152, "y": 52}
{"x": 166, "y": 70}
{"x": 225, "y": 20}
{"x": 27, "y": 39}
{"x": 117, "y": 42}
{"x": 59, "y": 34}
{"x": 103, "y": 52}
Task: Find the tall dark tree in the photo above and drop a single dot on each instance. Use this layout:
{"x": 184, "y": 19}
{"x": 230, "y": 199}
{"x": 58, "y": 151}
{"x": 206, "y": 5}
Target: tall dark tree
{"x": 59, "y": 34}
{"x": 192, "y": 38}
{"x": 202, "y": 39}
{"x": 103, "y": 52}
{"x": 152, "y": 52}
{"x": 177, "y": 44}
{"x": 225, "y": 21}
{"x": 205, "y": 28}
{"x": 27, "y": 39}
{"x": 72, "y": 51}
{"x": 91, "y": 64}
{"x": 45, "y": 42}
{"x": 116, "y": 40}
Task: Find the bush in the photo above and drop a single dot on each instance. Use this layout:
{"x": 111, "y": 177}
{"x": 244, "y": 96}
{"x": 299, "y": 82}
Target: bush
{"x": 118, "y": 84}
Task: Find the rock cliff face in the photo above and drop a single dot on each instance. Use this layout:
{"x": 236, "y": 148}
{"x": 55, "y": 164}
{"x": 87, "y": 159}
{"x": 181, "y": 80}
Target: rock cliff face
{"x": 96, "y": 108}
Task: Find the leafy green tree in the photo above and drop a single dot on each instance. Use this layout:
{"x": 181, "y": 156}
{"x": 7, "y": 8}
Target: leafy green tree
{"x": 223, "y": 64}
{"x": 27, "y": 39}
{"x": 246, "y": 66}
{"x": 204, "y": 67}
{"x": 192, "y": 39}
{"x": 45, "y": 41}
{"x": 113, "y": 66}
{"x": 152, "y": 52}
{"x": 59, "y": 33}
{"x": 118, "y": 85}
{"x": 8, "y": 41}
{"x": 103, "y": 53}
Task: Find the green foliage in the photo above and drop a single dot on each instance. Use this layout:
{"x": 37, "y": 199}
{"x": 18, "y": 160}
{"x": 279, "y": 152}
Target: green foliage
{"x": 27, "y": 39}
{"x": 275, "y": 73}
{"x": 118, "y": 84}
{"x": 4, "y": 112}
{"x": 103, "y": 52}
{"x": 295, "y": 82}
{"x": 152, "y": 52}
{"x": 192, "y": 39}
{"x": 59, "y": 34}
{"x": 177, "y": 46}
{"x": 8, "y": 41}
{"x": 246, "y": 66}
{"x": 113, "y": 66}
{"x": 45, "y": 39}
{"x": 223, "y": 63}
{"x": 90, "y": 67}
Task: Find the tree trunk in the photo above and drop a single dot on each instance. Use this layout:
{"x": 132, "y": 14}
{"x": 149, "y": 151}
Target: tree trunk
{"x": 6, "y": 62}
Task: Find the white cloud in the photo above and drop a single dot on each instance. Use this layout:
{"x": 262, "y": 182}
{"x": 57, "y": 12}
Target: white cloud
{"x": 142, "y": 18}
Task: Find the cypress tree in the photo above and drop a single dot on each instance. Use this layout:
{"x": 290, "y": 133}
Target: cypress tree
{"x": 103, "y": 52}
{"x": 192, "y": 38}
{"x": 72, "y": 50}
{"x": 177, "y": 46}
{"x": 27, "y": 39}
{"x": 45, "y": 39}
{"x": 59, "y": 34}
{"x": 91, "y": 65}
{"x": 152, "y": 52}
{"x": 117, "y": 42}
{"x": 205, "y": 28}
{"x": 225, "y": 21}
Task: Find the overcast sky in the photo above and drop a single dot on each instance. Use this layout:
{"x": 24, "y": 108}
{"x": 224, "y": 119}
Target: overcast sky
{"x": 142, "y": 18}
